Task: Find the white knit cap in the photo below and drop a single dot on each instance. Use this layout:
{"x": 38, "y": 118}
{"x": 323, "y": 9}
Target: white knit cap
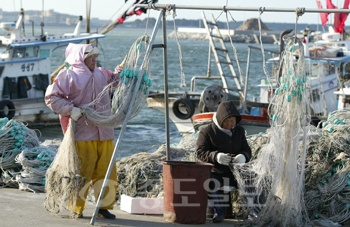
{"x": 91, "y": 50}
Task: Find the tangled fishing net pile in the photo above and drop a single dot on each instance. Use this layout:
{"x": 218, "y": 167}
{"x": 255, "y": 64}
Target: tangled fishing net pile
{"x": 327, "y": 180}
{"x": 140, "y": 175}
{"x": 35, "y": 161}
{"x": 23, "y": 160}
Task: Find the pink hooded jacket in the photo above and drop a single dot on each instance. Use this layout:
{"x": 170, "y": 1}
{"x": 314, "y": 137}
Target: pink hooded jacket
{"x": 77, "y": 86}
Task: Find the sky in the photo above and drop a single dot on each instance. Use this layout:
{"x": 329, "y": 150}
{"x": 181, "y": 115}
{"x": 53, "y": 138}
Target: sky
{"x": 110, "y": 9}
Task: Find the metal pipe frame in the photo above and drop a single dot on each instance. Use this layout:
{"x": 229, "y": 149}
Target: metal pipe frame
{"x": 235, "y": 8}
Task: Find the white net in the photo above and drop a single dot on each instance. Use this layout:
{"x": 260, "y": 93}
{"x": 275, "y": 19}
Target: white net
{"x": 63, "y": 179}
{"x": 134, "y": 78}
{"x": 274, "y": 182}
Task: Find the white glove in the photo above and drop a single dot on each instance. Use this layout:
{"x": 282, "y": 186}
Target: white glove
{"x": 118, "y": 69}
{"x": 75, "y": 114}
{"x": 223, "y": 159}
{"x": 239, "y": 159}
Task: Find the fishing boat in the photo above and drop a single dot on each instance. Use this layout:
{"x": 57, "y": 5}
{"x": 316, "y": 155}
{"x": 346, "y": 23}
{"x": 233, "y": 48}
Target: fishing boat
{"x": 186, "y": 108}
{"x": 327, "y": 66}
{"x": 327, "y": 69}
{"x": 25, "y": 70}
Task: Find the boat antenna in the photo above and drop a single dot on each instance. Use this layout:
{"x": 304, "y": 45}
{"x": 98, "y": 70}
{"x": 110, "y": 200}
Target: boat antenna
{"x": 42, "y": 24}
{"x": 22, "y": 12}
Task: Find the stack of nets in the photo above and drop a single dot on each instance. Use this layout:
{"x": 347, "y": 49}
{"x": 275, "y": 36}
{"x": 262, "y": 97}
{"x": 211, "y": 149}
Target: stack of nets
{"x": 14, "y": 137}
{"x": 23, "y": 160}
{"x": 35, "y": 161}
{"x": 327, "y": 176}
{"x": 140, "y": 175}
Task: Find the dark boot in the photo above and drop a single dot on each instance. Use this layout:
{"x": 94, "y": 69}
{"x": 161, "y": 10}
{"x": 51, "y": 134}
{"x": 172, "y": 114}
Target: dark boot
{"x": 218, "y": 215}
{"x": 215, "y": 203}
{"x": 227, "y": 206}
{"x": 105, "y": 214}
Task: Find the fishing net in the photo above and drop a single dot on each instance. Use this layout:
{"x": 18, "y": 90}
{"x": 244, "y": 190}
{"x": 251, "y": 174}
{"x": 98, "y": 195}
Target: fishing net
{"x": 35, "y": 161}
{"x": 63, "y": 179}
{"x": 134, "y": 78}
{"x": 14, "y": 137}
{"x": 276, "y": 178}
{"x": 328, "y": 170}
{"x": 326, "y": 185}
{"x": 140, "y": 175}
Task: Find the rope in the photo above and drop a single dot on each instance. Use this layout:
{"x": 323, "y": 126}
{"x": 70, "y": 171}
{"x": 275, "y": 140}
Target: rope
{"x": 182, "y": 77}
{"x": 268, "y": 77}
{"x": 233, "y": 46}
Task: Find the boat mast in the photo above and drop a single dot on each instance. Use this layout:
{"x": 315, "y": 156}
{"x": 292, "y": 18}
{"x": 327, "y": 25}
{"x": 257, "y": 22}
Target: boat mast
{"x": 88, "y": 13}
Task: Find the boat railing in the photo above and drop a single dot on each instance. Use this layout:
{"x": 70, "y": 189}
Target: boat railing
{"x": 193, "y": 80}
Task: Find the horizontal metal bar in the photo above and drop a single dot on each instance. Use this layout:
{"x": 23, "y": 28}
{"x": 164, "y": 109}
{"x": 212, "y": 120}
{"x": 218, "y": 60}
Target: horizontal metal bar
{"x": 267, "y": 50}
{"x": 158, "y": 46}
{"x": 235, "y": 8}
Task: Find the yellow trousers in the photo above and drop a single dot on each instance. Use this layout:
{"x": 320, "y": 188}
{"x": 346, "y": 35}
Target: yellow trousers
{"x": 95, "y": 157}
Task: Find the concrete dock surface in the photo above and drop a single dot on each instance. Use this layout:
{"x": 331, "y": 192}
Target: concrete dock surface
{"x": 22, "y": 208}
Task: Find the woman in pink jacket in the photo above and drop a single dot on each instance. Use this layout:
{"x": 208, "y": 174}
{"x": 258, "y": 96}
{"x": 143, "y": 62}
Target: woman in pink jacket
{"x": 80, "y": 85}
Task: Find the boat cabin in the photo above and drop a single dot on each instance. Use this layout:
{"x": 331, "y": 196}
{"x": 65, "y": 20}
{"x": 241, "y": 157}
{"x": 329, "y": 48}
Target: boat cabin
{"x": 25, "y": 70}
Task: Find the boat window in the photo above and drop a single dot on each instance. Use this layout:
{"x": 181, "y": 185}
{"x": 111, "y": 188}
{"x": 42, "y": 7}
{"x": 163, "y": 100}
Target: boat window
{"x": 311, "y": 69}
{"x": 315, "y": 95}
{"x": 328, "y": 69}
{"x": 31, "y": 52}
{"x": 44, "y": 53}
{"x": 19, "y": 52}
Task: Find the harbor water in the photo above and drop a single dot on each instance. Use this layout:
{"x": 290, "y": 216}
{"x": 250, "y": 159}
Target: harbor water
{"x": 146, "y": 132}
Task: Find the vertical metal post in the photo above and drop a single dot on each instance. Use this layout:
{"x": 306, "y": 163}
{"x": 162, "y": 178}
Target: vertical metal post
{"x": 209, "y": 61}
{"x": 111, "y": 163}
{"x": 246, "y": 76}
{"x": 243, "y": 103}
{"x": 166, "y": 96}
